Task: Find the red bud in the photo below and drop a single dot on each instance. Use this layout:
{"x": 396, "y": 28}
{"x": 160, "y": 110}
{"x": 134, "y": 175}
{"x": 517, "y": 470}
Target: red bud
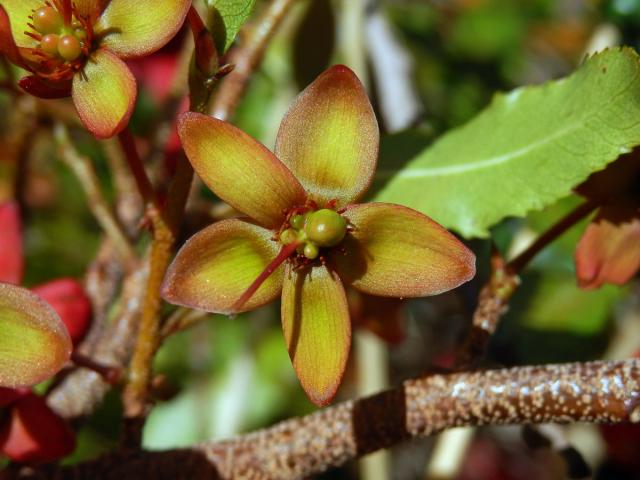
{"x": 69, "y": 300}
{"x": 34, "y": 433}
{"x": 11, "y": 259}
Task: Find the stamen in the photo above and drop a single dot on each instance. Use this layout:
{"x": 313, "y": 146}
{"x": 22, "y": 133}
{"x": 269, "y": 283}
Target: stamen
{"x": 66, "y": 11}
{"x": 285, "y": 253}
{"x": 35, "y": 36}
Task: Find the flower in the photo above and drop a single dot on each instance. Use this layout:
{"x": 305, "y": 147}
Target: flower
{"x": 306, "y": 235}
{"x": 609, "y": 249}
{"x": 78, "y": 48}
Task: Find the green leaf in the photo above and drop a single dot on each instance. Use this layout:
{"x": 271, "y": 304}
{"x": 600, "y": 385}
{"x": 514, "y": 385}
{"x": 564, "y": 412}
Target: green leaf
{"x": 227, "y": 16}
{"x": 34, "y": 343}
{"x": 528, "y": 149}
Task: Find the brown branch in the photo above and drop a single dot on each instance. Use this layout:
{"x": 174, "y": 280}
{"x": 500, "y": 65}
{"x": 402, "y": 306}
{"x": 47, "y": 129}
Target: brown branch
{"x": 82, "y": 390}
{"x": 493, "y": 302}
{"x": 598, "y": 392}
{"x": 494, "y": 297}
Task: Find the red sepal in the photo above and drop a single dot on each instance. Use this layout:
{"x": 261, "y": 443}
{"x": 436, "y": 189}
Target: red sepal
{"x": 36, "y": 86}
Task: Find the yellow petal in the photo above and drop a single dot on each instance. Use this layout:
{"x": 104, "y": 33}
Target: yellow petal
{"x": 34, "y": 343}
{"x": 215, "y": 267}
{"x": 329, "y": 138}
{"x": 134, "y": 28}
{"x": 317, "y": 329}
{"x": 104, "y": 94}
{"x": 239, "y": 170}
{"x": 395, "y": 251}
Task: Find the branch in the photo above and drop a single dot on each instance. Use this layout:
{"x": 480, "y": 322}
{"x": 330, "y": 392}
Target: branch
{"x": 86, "y": 175}
{"x": 493, "y": 301}
{"x": 247, "y": 59}
{"x": 598, "y": 392}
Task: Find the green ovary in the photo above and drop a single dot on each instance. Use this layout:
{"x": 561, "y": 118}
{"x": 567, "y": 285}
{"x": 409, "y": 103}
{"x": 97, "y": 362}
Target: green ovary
{"x": 312, "y": 231}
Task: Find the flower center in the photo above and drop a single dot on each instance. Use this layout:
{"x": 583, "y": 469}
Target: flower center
{"x": 314, "y": 230}
{"x": 305, "y": 232}
{"x": 64, "y": 39}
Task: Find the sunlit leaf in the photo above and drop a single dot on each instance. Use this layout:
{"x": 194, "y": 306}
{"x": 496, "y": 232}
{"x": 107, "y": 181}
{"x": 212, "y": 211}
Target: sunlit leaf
{"x": 529, "y": 148}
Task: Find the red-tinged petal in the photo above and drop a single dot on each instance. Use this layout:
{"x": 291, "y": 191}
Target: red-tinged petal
{"x": 19, "y": 12}
{"x": 317, "y": 329}
{"x": 8, "y": 46}
{"x": 36, "y": 86}
{"x": 34, "y": 433}
{"x": 395, "y": 251}
{"x": 34, "y": 343}
{"x": 69, "y": 300}
{"x": 239, "y": 170}
{"x": 90, "y": 8}
{"x": 609, "y": 250}
{"x": 382, "y": 316}
{"x": 215, "y": 266}
{"x": 130, "y": 34}
{"x": 104, "y": 94}
{"x": 11, "y": 257}
{"x": 329, "y": 137}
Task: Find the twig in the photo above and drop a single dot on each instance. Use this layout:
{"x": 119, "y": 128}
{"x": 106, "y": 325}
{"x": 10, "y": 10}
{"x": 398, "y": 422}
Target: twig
{"x": 247, "y": 58}
{"x": 86, "y": 175}
{"x": 181, "y": 319}
{"x": 82, "y": 390}
{"x": 581, "y": 211}
{"x": 494, "y": 297}
{"x": 493, "y": 302}
{"x": 137, "y": 168}
{"x": 597, "y": 392}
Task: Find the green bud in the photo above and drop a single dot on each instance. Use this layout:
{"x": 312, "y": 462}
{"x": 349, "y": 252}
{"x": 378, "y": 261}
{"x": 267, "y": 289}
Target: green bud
{"x": 326, "y": 228}
{"x": 288, "y": 236}
{"x": 297, "y": 221}
{"x": 310, "y": 251}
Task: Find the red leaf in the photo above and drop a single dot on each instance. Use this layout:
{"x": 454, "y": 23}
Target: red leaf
{"x": 11, "y": 260}
{"x": 69, "y": 300}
